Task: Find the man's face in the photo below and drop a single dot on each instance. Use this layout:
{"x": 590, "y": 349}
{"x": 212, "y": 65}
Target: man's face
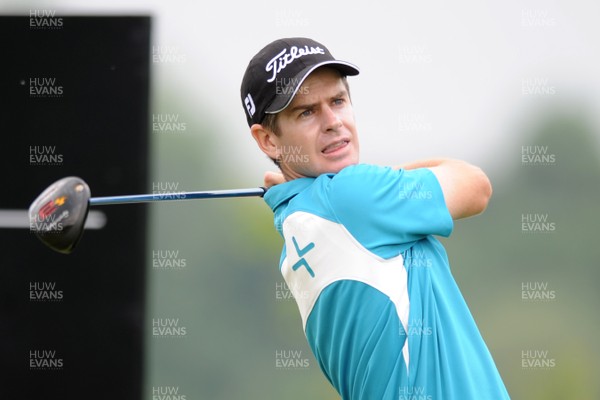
{"x": 317, "y": 130}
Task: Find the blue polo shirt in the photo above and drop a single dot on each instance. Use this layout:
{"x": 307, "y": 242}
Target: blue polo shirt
{"x": 379, "y": 306}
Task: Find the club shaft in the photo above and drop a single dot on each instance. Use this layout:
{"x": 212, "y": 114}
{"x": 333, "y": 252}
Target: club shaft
{"x": 148, "y": 198}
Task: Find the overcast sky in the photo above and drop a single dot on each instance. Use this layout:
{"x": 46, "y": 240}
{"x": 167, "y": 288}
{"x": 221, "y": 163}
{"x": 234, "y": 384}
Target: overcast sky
{"x": 437, "y": 78}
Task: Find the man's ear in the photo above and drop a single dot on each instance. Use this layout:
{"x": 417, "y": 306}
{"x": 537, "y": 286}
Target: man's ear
{"x": 266, "y": 140}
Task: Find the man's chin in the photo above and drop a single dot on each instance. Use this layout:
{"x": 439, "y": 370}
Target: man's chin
{"x": 337, "y": 167}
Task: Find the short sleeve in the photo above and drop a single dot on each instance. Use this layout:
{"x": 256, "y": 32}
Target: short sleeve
{"x": 381, "y": 206}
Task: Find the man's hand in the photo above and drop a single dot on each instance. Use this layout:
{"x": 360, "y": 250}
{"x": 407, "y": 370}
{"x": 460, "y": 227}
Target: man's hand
{"x": 273, "y": 178}
{"x": 467, "y": 189}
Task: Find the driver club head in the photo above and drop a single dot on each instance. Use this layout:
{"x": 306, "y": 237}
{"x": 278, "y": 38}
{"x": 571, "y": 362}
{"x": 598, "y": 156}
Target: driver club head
{"x": 57, "y": 216}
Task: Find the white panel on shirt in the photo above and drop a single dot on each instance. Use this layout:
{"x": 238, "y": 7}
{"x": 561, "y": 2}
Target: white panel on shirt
{"x": 328, "y": 251}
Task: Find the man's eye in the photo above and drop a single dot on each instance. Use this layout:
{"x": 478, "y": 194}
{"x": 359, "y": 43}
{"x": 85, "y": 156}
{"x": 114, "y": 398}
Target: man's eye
{"x": 338, "y": 102}
{"x": 305, "y": 113}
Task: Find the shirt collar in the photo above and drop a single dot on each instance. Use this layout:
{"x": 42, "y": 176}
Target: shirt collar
{"x": 283, "y": 192}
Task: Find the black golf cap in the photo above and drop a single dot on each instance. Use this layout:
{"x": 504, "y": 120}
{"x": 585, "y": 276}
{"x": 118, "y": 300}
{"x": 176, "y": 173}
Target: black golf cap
{"x": 275, "y": 74}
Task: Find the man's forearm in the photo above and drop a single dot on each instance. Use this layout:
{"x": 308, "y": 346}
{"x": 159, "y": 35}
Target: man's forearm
{"x": 466, "y": 188}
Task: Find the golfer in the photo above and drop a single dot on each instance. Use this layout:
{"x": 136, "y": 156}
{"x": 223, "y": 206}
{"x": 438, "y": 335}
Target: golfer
{"x": 378, "y": 303}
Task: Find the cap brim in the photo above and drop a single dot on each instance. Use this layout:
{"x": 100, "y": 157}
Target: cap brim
{"x": 283, "y": 100}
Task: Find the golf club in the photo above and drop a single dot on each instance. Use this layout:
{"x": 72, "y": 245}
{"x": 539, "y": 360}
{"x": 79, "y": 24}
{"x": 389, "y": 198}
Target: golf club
{"x": 57, "y": 216}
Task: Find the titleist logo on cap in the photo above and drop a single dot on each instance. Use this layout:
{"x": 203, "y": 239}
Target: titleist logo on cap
{"x": 283, "y": 59}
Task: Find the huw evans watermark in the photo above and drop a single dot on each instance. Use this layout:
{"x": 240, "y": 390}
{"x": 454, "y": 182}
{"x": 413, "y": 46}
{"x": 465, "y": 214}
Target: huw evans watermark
{"x": 537, "y": 156}
{"x": 291, "y": 154}
{"x": 45, "y": 20}
{"x": 537, "y": 86}
{"x": 48, "y": 223}
{"x": 168, "y": 328}
{"x": 414, "y": 191}
{"x": 44, "y": 292}
{"x": 165, "y": 54}
{"x": 537, "y": 223}
{"x": 291, "y": 18}
{"x": 414, "y": 122}
{"x": 536, "y": 18}
{"x": 168, "y": 260}
{"x": 168, "y": 124}
{"x": 418, "y": 259}
{"x": 290, "y": 359}
{"x": 413, "y": 393}
{"x": 537, "y": 292}
{"x": 45, "y": 87}
{"x": 416, "y": 54}
{"x": 45, "y": 156}
{"x": 287, "y": 86}
{"x": 167, "y": 393}
{"x": 416, "y": 327}
{"x": 283, "y": 292}
{"x": 537, "y": 360}
{"x": 40, "y": 360}
{"x": 167, "y": 190}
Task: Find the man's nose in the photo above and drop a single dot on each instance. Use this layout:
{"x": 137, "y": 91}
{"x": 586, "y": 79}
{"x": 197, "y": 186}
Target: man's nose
{"x": 331, "y": 120}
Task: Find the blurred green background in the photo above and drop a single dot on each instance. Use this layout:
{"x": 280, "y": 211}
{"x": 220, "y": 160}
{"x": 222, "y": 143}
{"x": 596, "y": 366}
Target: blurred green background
{"x": 229, "y": 295}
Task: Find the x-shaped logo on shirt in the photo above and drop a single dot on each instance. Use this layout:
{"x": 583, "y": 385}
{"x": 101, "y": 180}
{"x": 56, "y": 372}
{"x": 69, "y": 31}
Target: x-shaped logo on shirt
{"x": 301, "y": 252}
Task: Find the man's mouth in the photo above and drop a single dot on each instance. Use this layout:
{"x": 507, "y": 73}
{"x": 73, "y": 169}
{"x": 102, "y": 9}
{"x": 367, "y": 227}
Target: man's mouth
{"x": 335, "y": 146}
